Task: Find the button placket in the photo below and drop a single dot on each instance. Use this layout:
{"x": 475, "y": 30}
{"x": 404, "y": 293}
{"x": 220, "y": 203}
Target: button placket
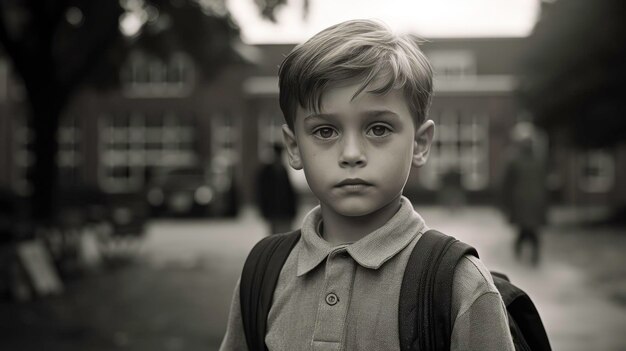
{"x": 333, "y": 304}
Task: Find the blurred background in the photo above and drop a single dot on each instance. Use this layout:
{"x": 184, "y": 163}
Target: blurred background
{"x": 138, "y": 146}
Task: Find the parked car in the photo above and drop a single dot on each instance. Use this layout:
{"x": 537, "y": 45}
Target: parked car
{"x": 181, "y": 192}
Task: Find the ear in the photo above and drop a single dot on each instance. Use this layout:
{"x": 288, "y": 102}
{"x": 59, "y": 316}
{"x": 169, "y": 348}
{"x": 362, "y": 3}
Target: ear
{"x": 291, "y": 145}
{"x": 423, "y": 141}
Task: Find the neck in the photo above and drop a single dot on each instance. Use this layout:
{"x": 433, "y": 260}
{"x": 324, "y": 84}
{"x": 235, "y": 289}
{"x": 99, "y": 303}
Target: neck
{"x": 338, "y": 229}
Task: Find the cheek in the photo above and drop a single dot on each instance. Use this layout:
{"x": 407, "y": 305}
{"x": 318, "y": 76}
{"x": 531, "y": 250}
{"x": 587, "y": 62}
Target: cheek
{"x": 316, "y": 167}
{"x": 398, "y": 167}
{"x": 317, "y": 158}
{"x": 398, "y": 156}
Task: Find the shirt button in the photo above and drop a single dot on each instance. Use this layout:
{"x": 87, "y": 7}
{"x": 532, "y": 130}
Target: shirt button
{"x": 332, "y": 299}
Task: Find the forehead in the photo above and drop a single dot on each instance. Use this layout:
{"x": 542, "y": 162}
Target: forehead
{"x": 340, "y": 100}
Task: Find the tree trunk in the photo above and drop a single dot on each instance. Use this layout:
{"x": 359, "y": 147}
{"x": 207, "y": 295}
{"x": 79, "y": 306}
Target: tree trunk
{"x": 44, "y": 121}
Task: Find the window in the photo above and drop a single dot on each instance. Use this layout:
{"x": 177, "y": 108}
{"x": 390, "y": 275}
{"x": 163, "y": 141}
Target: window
{"x": 224, "y": 134}
{"x": 270, "y": 132}
{"x": 225, "y": 142}
{"x": 225, "y": 150}
{"x": 149, "y": 76}
{"x": 134, "y": 144}
{"x": 68, "y": 156}
{"x": 452, "y": 63}
{"x": 597, "y": 171}
{"x": 461, "y": 144}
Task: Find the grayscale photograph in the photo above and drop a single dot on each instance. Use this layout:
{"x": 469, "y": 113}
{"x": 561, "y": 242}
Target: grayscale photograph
{"x": 323, "y": 175}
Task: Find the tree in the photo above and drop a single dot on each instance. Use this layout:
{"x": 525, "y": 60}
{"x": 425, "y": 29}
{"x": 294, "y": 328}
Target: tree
{"x": 575, "y": 68}
{"x": 52, "y": 56}
{"x": 58, "y": 46}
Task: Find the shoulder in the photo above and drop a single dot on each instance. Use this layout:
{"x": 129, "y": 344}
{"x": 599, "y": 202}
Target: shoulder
{"x": 470, "y": 282}
{"x": 471, "y": 268}
{"x": 479, "y": 316}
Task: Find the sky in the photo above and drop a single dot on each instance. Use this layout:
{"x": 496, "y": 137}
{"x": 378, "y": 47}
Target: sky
{"x": 426, "y": 18}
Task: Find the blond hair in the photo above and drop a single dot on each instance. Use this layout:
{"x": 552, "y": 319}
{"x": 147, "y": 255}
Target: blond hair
{"x": 358, "y": 49}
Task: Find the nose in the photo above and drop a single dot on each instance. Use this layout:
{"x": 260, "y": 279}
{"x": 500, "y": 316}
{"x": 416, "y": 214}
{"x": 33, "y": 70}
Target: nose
{"x": 352, "y": 153}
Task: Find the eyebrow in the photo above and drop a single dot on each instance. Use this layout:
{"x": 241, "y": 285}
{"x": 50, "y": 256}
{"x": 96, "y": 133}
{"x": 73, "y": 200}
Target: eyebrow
{"x": 368, "y": 114}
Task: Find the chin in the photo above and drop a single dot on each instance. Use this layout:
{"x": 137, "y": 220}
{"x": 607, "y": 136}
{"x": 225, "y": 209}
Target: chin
{"x": 355, "y": 207}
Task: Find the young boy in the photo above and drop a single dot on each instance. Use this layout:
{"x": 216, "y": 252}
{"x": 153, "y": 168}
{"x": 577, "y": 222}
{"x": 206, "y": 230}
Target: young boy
{"x": 355, "y": 99}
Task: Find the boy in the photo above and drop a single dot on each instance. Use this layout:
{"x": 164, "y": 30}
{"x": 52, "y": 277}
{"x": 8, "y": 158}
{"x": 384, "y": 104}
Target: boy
{"x": 355, "y": 99}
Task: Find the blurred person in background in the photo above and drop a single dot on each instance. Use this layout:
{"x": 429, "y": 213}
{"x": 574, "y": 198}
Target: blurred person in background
{"x": 452, "y": 195}
{"x": 276, "y": 196}
{"x": 525, "y": 197}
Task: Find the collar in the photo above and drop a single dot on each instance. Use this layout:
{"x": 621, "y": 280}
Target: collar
{"x": 372, "y": 250}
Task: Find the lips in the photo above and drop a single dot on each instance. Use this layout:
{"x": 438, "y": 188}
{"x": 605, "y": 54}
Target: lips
{"x": 353, "y": 182}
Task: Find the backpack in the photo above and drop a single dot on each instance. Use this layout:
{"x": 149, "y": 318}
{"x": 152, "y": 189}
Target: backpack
{"x": 426, "y": 288}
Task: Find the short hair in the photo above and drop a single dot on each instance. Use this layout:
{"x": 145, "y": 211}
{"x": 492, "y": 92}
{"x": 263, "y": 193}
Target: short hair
{"x": 356, "y": 49}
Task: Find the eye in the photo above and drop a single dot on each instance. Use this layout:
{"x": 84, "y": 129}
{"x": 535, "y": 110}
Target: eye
{"x": 325, "y": 133}
{"x": 379, "y": 130}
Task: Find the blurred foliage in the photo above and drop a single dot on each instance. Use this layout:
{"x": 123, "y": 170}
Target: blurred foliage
{"x": 268, "y": 8}
{"x": 575, "y": 68}
{"x": 88, "y": 41}
{"x": 203, "y": 29}
{"x": 71, "y": 42}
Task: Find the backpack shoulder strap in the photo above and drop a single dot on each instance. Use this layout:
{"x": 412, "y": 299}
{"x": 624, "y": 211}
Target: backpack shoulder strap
{"x": 426, "y": 292}
{"x": 258, "y": 281}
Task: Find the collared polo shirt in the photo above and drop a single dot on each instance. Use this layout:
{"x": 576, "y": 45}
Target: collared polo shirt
{"x": 345, "y": 297}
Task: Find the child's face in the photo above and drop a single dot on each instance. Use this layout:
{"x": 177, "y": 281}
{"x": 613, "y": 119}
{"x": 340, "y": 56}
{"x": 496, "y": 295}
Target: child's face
{"x": 357, "y": 154}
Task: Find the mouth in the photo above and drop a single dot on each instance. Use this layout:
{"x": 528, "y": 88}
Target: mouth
{"x": 352, "y": 182}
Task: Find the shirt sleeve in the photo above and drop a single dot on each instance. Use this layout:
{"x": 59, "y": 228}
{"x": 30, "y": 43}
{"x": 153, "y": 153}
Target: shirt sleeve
{"x": 235, "y": 338}
{"x": 481, "y": 321}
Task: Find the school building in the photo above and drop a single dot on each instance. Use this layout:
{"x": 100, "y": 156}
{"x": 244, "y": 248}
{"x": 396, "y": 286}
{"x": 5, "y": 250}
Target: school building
{"x": 164, "y": 117}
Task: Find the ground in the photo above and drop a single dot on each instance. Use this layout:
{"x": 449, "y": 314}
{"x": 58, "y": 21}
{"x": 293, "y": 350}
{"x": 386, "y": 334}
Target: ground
{"x": 175, "y": 292}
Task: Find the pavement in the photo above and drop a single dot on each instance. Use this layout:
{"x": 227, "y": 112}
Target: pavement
{"x": 175, "y": 292}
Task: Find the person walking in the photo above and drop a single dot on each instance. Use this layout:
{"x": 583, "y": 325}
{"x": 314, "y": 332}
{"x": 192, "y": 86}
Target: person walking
{"x": 524, "y": 191}
{"x": 276, "y": 196}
